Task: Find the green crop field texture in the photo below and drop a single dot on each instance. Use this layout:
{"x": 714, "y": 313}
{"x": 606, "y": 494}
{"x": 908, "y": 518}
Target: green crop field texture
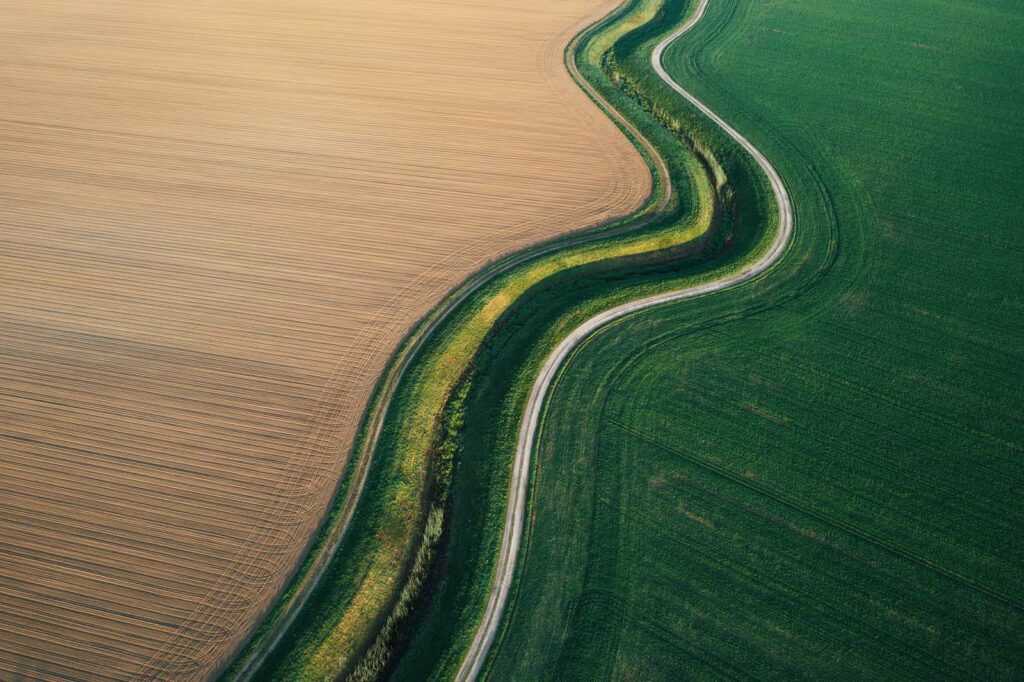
{"x": 818, "y": 475}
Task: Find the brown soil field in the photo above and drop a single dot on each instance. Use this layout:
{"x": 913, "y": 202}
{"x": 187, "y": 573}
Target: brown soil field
{"x": 217, "y": 220}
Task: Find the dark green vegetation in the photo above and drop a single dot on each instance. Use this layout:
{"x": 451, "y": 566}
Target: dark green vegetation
{"x": 819, "y": 475}
{"x": 386, "y": 557}
{"x": 505, "y": 367}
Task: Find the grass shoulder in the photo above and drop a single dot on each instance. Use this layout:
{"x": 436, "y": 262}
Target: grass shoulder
{"x": 357, "y": 618}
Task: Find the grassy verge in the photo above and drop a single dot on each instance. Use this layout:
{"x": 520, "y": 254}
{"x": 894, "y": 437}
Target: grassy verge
{"x": 365, "y": 590}
{"x": 507, "y": 363}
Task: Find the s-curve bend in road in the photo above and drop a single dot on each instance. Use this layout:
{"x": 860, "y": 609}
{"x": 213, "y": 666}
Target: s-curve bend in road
{"x": 514, "y": 518}
{"x": 220, "y": 221}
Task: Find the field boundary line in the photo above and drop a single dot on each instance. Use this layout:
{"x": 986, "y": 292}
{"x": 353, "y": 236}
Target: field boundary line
{"x": 248, "y": 667}
{"x": 512, "y": 533}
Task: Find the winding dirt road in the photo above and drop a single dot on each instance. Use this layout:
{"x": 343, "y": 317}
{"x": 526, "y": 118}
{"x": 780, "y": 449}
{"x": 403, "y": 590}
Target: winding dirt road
{"x": 514, "y": 519}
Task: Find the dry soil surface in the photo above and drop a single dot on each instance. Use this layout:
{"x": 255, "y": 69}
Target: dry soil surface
{"x": 217, "y": 220}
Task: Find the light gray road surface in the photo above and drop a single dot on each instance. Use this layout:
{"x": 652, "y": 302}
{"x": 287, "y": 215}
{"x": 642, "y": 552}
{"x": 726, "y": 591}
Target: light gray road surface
{"x": 514, "y": 517}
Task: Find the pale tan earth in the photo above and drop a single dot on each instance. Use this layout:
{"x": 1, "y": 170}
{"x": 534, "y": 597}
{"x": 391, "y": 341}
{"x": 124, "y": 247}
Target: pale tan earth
{"x": 217, "y": 219}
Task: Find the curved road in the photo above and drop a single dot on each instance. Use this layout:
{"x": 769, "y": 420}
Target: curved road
{"x": 514, "y": 517}
{"x": 250, "y": 662}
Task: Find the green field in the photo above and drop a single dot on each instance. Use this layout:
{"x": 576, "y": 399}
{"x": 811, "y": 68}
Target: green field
{"x": 819, "y": 475}
{"x": 813, "y": 474}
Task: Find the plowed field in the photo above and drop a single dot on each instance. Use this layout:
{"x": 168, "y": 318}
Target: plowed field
{"x": 216, "y": 223}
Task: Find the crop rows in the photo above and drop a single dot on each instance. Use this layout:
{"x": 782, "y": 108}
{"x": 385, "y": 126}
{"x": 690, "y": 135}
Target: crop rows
{"x": 216, "y": 224}
{"x": 817, "y": 476}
